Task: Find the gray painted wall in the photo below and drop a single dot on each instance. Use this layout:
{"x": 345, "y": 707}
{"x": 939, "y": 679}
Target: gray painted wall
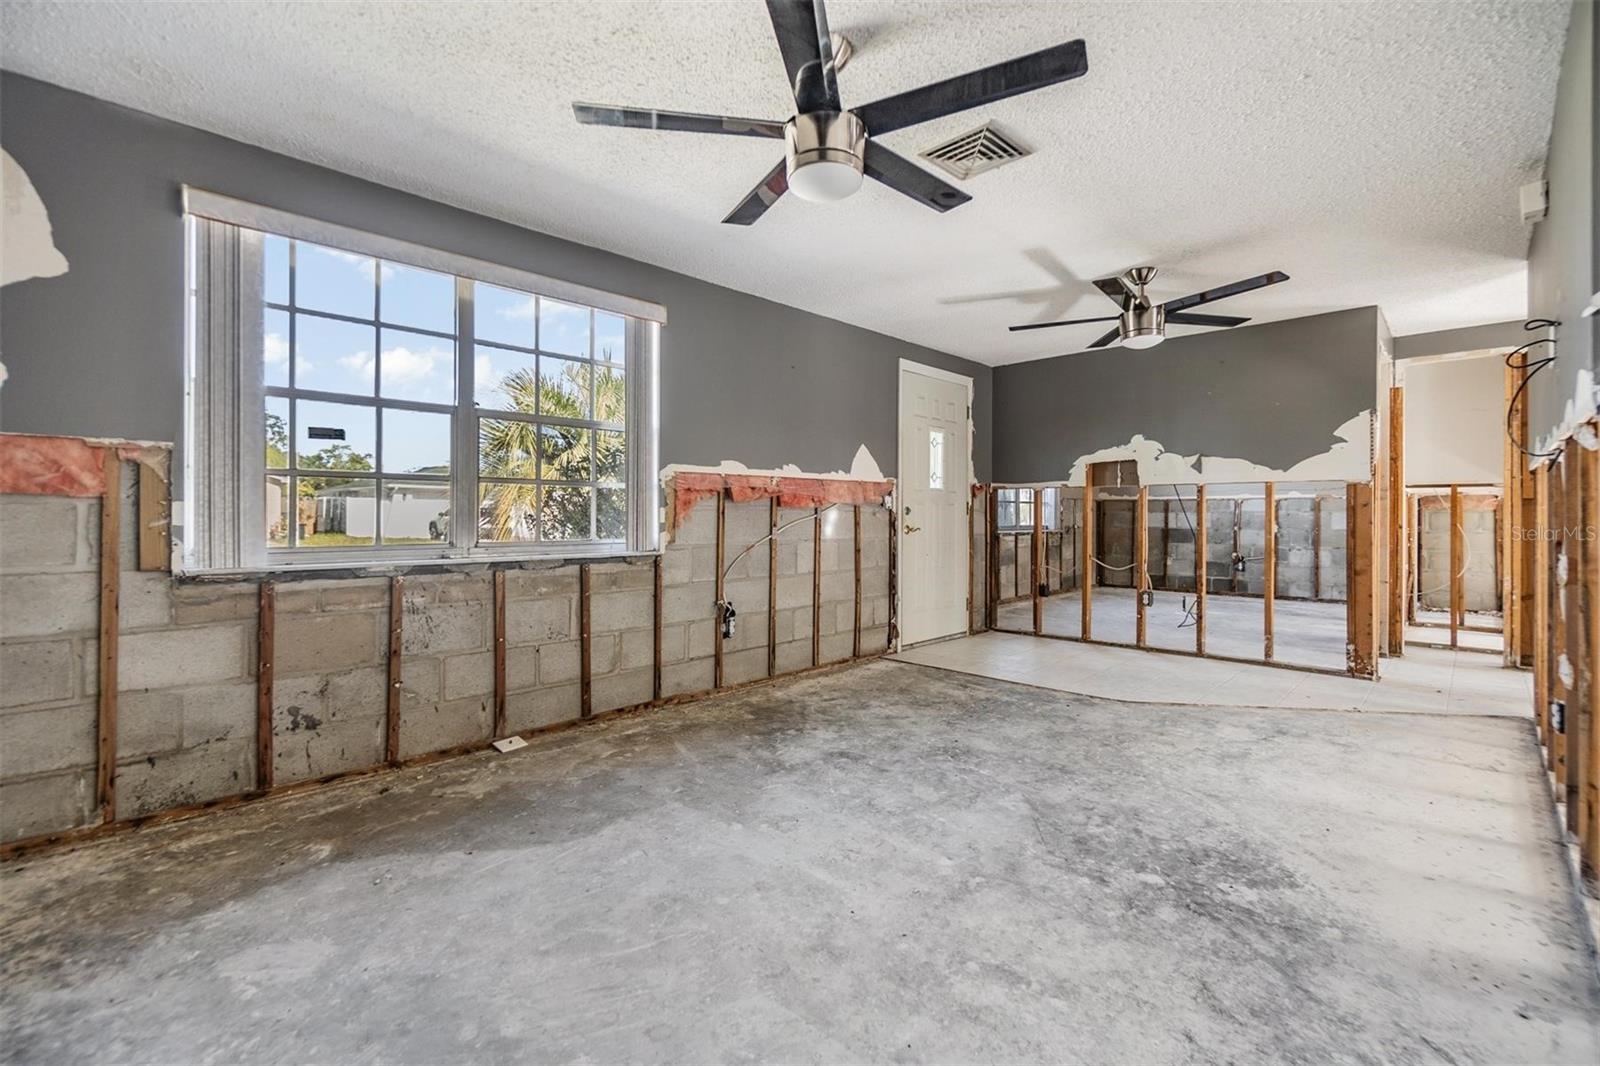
{"x": 1562, "y": 266}
{"x": 99, "y": 350}
{"x": 1465, "y": 339}
{"x": 1273, "y": 394}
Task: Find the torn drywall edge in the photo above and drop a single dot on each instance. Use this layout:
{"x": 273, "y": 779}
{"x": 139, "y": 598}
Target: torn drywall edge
{"x": 27, "y": 244}
{"x": 686, "y": 488}
{"x": 1580, "y": 410}
{"x": 1349, "y": 459}
{"x": 38, "y": 465}
{"x": 863, "y": 468}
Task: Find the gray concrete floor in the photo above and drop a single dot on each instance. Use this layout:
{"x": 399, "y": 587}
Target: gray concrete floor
{"x": 1304, "y": 633}
{"x": 889, "y": 862}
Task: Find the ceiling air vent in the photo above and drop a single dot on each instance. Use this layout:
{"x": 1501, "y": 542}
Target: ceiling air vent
{"x": 975, "y": 151}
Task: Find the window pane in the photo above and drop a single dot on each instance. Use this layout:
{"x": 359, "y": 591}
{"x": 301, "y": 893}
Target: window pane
{"x": 333, "y": 356}
{"x": 502, "y": 315}
{"x": 277, "y": 425}
{"x": 508, "y": 512}
{"x": 327, "y": 279}
{"x": 610, "y": 395}
{"x": 564, "y": 512}
{"x": 565, "y": 388}
{"x": 504, "y": 379}
{"x": 415, "y": 366}
{"x": 410, "y": 296}
{"x": 275, "y": 348}
{"x": 935, "y": 458}
{"x": 415, "y": 442}
{"x": 334, "y": 436}
{"x": 507, "y": 448}
{"x": 564, "y": 453}
{"x": 336, "y": 512}
{"x": 611, "y": 515}
{"x": 275, "y": 269}
{"x": 610, "y": 337}
{"x": 610, "y": 456}
{"x": 563, "y": 328}
{"x": 416, "y": 512}
{"x": 276, "y": 510}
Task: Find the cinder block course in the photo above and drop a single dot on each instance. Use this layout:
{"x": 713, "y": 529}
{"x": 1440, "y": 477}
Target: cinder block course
{"x": 193, "y": 604}
{"x": 166, "y": 658}
{"x": 542, "y": 582}
{"x": 625, "y": 688}
{"x": 182, "y": 778}
{"x": 636, "y": 649}
{"x": 541, "y": 707}
{"x": 674, "y": 643}
{"x": 37, "y": 671}
{"x": 344, "y": 740}
{"x": 42, "y": 605}
{"x": 47, "y": 803}
{"x": 427, "y": 727}
{"x": 440, "y": 627}
{"x": 39, "y": 533}
{"x": 692, "y": 676}
{"x": 53, "y": 738}
{"x": 218, "y": 713}
{"x": 522, "y": 667}
{"x": 471, "y": 674}
{"x": 747, "y": 665}
{"x": 319, "y": 643}
{"x": 558, "y": 663}
{"x": 688, "y": 603}
{"x": 352, "y": 595}
{"x": 145, "y": 601}
{"x": 618, "y": 577}
{"x": 535, "y": 621}
{"x": 149, "y": 722}
{"x": 612, "y": 611}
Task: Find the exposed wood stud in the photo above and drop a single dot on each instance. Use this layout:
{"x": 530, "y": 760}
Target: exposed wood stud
{"x": 1087, "y": 570}
{"x": 972, "y": 558}
{"x": 1361, "y": 610}
{"x": 772, "y": 587}
{"x": 1590, "y": 582}
{"x": 893, "y": 639}
{"x": 816, "y": 586}
{"x": 1541, "y": 604}
{"x": 991, "y": 587}
{"x": 397, "y": 610}
{"x": 586, "y": 639}
{"x": 1141, "y": 565}
{"x": 1457, "y": 591}
{"x": 855, "y": 642}
{"x": 1016, "y": 565}
{"x": 266, "y": 645}
{"x": 1201, "y": 549}
{"x": 499, "y": 654}
{"x": 1577, "y": 653}
{"x": 110, "y": 628}
{"x": 1269, "y": 565}
{"x": 1395, "y": 629}
{"x": 655, "y": 623}
{"x": 1316, "y": 547}
{"x": 1036, "y": 560}
{"x": 716, "y": 629}
{"x": 155, "y": 514}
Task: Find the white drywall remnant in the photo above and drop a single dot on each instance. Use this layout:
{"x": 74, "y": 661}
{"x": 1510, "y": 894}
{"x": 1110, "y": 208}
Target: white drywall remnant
{"x": 863, "y": 468}
{"x": 26, "y": 248}
{"x": 1580, "y": 408}
{"x": 1348, "y": 459}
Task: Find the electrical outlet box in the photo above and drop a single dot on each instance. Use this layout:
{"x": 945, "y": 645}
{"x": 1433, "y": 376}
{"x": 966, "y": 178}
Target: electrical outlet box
{"x": 1147, "y": 597}
{"x": 1044, "y": 590}
{"x": 1558, "y": 716}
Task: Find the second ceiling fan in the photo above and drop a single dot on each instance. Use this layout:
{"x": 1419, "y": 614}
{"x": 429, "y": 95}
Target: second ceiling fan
{"x": 828, "y": 149}
{"x": 1143, "y": 324}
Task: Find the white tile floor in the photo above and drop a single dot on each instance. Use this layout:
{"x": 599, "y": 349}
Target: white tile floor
{"x": 1425, "y": 681}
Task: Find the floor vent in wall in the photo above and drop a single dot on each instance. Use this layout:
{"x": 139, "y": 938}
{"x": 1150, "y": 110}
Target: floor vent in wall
{"x": 975, "y": 151}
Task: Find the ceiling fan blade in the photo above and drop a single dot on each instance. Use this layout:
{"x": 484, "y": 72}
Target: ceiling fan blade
{"x": 1020, "y": 75}
{"x": 763, "y": 196}
{"x": 1063, "y": 322}
{"x": 1107, "y": 339}
{"x": 904, "y": 176}
{"x": 801, "y": 27}
{"x": 649, "y": 119}
{"x": 1260, "y": 281}
{"x": 1189, "y": 318}
{"x": 1117, "y": 289}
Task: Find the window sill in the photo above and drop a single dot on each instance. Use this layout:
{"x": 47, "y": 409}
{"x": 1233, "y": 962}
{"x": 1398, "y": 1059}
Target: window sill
{"x": 323, "y": 569}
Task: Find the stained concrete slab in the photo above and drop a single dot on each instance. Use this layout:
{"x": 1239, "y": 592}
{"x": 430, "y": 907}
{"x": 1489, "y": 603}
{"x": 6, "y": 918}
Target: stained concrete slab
{"x": 884, "y": 863}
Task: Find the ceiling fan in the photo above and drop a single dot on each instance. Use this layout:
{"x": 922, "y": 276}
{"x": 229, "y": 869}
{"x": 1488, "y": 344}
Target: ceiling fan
{"x": 1143, "y": 324}
{"x": 827, "y": 148}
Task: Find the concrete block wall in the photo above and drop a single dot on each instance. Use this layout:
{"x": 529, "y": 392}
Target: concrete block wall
{"x": 1479, "y": 578}
{"x": 188, "y": 677}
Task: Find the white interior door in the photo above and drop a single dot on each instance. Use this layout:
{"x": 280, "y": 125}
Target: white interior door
{"x": 934, "y": 490}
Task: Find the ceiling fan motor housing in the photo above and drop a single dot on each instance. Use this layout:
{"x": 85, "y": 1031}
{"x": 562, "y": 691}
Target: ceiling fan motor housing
{"x": 826, "y": 154}
{"x": 1143, "y": 326}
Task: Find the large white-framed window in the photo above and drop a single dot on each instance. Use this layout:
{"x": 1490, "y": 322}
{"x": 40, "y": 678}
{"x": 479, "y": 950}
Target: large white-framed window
{"x": 355, "y": 400}
{"x": 1014, "y": 508}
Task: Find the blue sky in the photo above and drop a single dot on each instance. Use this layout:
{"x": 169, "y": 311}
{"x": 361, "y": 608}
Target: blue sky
{"x": 335, "y": 356}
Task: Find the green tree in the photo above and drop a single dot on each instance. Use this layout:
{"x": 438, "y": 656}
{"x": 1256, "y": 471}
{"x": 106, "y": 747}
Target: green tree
{"x": 333, "y": 457}
{"x": 514, "y": 449}
{"x": 277, "y": 443}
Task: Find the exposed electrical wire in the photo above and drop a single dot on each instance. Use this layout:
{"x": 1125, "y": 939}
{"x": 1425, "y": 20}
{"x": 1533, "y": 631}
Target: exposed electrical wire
{"x": 1532, "y": 366}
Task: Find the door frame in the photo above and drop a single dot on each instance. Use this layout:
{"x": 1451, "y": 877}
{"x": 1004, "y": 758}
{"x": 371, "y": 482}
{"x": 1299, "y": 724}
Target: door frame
{"x": 910, "y": 366}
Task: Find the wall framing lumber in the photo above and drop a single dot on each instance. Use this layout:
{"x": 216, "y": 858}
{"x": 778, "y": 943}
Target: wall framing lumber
{"x": 586, "y": 640}
{"x": 110, "y": 628}
{"x": 1589, "y": 846}
{"x": 855, "y": 543}
{"x": 972, "y": 557}
{"x": 1036, "y": 561}
{"x": 772, "y": 587}
{"x": 716, "y": 630}
{"x": 266, "y": 652}
{"x": 499, "y": 728}
{"x": 1269, "y": 567}
{"x": 1558, "y": 621}
{"x": 1361, "y": 653}
{"x": 1576, "y": 650}
{"x": 655, "y": 626}
{"x": 1541, "y": 605}
{"x": 155, "y": 519}
{"x": 397, "y": 611}
{"x": 1395, "y": 541}
{"x": 816, "y": 587}
{"x": 1458, "y": 610}
{"x": 991, "y": 542}
{"x": 1086, "y": 600}
{"x": 893, "y": 641}
{"x": 1141, "y": 565}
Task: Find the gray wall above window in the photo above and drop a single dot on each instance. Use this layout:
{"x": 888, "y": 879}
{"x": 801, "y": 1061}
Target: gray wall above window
{"x": 98, "y": 351}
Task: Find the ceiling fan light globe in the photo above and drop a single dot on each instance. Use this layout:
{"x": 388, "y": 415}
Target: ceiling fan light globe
{"x": 1142, "y": 340}
{"x": 824, "y": 181}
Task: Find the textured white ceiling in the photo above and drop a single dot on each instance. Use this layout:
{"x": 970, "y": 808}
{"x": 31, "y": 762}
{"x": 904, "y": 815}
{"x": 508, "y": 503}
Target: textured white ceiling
{"x": 1373, "y": 151}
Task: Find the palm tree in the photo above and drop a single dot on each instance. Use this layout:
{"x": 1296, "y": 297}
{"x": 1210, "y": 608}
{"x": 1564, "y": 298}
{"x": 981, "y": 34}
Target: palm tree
{"x": 516, "y": 449}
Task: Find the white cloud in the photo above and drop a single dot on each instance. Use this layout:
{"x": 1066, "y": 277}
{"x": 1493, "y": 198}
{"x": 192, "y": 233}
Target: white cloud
{"x": 275, "y": 350}
{"x": 521, "y": 309}
{"x": 360, "y": 262}
{"x": 404, "y": 364}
